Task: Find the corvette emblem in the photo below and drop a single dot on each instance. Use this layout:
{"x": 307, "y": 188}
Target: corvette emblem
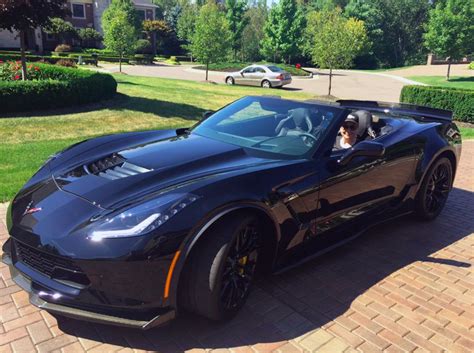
{"x": 31, "y": 210}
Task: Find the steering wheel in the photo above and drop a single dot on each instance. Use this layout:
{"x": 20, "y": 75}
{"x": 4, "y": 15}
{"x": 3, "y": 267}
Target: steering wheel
{"x": 306, "y": 142}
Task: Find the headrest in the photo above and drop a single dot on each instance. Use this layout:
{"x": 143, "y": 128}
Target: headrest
{"x": 299, "y": 115}
{"x": 365, "y": 121}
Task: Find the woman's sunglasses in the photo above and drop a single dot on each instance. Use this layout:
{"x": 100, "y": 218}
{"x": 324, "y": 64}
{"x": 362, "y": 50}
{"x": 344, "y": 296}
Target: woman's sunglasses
{"x": 351, "y": 127}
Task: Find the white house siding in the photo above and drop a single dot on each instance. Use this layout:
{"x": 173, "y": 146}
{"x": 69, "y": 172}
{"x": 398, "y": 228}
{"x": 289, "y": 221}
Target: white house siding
{"x": 9, "y": 39}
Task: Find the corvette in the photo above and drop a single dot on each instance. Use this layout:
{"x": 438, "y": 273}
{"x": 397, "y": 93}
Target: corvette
{"x": 128, "y": 229}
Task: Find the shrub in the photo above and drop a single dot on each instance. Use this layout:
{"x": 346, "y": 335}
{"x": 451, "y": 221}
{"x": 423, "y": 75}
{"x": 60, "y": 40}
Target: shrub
{"x": 143, "y": 46}
{"x": 172, "y": 61}
{"x": 471, "y": 66}
{"x": 66, "y": 63}
{"x": 460, "y": 101}
{"x": 142, "y": 59}
{"x": 64, "y": 87}
{"x": 61, "y": 48}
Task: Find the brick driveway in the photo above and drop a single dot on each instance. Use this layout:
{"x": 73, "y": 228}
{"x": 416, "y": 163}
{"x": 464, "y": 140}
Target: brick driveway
{"x": 403, "y": 286}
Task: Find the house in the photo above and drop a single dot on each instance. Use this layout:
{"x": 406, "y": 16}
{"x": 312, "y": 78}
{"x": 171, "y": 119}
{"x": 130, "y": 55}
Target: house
{"x": 84, "y": 13}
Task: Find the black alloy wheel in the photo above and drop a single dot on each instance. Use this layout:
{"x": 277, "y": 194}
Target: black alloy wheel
{"x": 239, "y": 268}
{"x": 218, "y": 276}
{"x": 435, "y": 190}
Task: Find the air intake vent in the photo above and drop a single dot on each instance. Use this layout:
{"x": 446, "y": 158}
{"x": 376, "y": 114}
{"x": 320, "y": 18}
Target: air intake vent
{"x": 111, "y": 167}
{"x": 122, "y": 171}
{"x": 103, "y": 164}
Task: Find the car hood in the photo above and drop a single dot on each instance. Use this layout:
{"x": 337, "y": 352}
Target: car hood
{"x": 127, "y": 174}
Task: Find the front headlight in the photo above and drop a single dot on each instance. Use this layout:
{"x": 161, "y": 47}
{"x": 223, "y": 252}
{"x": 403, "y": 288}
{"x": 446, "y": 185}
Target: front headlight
{"x": 143, "y": 218}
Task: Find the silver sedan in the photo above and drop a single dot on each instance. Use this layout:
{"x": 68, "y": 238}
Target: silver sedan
{"x": 259, "y": 75}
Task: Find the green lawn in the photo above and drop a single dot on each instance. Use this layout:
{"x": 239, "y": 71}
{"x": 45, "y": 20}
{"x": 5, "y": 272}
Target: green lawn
{"x": 467, "y": 133}
{"x": 26, "y": 140}
{"x": 466, "y": 82}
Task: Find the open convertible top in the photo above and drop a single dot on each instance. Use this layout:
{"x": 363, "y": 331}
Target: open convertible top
{"x": 401, "y": 108}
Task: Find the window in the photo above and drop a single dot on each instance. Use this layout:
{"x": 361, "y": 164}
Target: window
{"x": 141, "y": 15}
{"x": 260, "y": 70}
{"x": 249, "y": 70}
{"x": 78, "y": 11}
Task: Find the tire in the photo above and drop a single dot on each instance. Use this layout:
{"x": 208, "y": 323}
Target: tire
{"x": 230, "y": 81}
{"x": 266, "y": 84}
{"x": 434, "y": 190}
{"x": 212, "y": 263}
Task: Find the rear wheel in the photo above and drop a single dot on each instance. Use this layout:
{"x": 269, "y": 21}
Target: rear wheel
{"x": 229, "y": 81}
{"x": 221, "y": 268}
{"x": 434, "y": 190}
{"x": 266, "y": 84}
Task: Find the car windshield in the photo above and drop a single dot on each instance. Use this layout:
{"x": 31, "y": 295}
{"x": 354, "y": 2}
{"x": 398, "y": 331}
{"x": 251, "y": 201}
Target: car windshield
{"x": 281, "y": 128}
{"x": 275, "y": 69}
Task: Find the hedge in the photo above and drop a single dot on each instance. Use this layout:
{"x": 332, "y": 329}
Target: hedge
{"x": 66, "y": 87}
{"x": 458, "y": 100}
{"x": 87, "y": 58}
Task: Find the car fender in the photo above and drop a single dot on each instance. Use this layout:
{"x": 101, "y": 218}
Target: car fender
{"x": 197, "y": 232}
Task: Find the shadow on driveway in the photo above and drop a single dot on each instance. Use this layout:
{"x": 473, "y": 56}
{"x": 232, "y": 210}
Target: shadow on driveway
{"x": 286, "y": 306}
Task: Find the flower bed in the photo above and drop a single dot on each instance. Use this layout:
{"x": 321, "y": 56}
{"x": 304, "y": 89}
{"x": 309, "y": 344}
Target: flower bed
{"x": 51, "y": 86}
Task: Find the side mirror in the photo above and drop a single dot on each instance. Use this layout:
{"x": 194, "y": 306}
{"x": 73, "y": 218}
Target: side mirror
{"x": 363, "y": 149}
{"x": 207, "y": 114}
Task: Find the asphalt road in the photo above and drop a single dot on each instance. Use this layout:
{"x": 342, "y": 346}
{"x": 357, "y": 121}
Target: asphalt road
{"x": 346, "y": 84}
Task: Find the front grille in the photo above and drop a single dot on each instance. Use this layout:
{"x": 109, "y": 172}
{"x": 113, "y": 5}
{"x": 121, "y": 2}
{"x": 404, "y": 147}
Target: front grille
{"x": 43, "y": 262}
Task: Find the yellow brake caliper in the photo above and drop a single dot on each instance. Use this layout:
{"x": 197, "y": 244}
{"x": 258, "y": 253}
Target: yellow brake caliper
{"x": 243, "y": 262}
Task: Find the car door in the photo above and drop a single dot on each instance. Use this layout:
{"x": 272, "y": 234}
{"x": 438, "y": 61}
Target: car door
{"x": 245, "y": 76}
{"x": 351, "y": 196}
{"x": 347, "y": 198}
{"x": 257, "y": 76}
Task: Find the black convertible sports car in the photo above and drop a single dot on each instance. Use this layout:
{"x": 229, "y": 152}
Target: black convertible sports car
{"x": 127, "y": 229}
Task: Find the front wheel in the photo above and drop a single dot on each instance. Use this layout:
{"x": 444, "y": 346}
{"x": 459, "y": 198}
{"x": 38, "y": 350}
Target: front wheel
{"x": 266, "y": 84}
{"x": 434, "y": 190}
{"x": 221, "y": 269}
{"x": 229, "y": 81}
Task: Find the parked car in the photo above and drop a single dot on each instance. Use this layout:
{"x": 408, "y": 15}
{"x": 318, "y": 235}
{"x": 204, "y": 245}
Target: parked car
{"x": 266, "y": 76}
{"x": 128, "y": 229}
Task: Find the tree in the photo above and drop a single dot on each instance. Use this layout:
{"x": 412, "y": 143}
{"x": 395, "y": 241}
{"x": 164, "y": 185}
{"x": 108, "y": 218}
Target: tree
{"x": 64, "y": 30}
{"x": 450, "y": 30}
{"x": 24, "y": 15}
{"x": 252, "y": 34}
{"x": 156, "y": 31}
{"x": 128, "y": 8}
{"x": 120, "y": 36}
{"x": 211, "y": 38}
{"x": 237, "y": 21}
{"x": 88, "y": 36}
{"x": 336, "y": 40}
{"x": 394, "y": 27}
{"x": 283, "y": 31}
{"x": 187, "y": 23}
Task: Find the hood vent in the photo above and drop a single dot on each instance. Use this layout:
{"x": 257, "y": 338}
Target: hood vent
{"x": 111, "y": 167}
{"x": 122, "y": 171}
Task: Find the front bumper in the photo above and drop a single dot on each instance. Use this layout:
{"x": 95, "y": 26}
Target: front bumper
{"x": 45, "y": 298}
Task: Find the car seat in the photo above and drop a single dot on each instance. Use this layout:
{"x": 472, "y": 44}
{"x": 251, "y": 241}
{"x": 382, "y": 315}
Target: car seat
{"x": 365, "y": 125}
{"x": 300, "y": 117}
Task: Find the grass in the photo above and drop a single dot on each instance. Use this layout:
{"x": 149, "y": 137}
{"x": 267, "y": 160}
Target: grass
{"x": 467, "y": 133}
{"x": 465, "y": 82}
{"x": 143, "y": 103}
{"x": 236, "y": 66}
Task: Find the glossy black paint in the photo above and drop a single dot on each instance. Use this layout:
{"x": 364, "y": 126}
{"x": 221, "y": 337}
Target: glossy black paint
{"x": 308, "y": 205}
